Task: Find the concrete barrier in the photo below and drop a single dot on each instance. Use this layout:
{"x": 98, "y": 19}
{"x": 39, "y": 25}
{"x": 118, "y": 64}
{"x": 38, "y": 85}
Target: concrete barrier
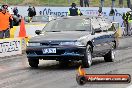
{"x": 30, "y": 31}
{"x": 12, "y": 31}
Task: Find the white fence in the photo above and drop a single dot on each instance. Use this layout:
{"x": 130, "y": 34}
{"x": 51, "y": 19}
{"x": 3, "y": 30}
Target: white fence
{"x": 59, "y": 11}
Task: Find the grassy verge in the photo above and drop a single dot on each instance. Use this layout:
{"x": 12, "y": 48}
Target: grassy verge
{"x": 58, "y": 2}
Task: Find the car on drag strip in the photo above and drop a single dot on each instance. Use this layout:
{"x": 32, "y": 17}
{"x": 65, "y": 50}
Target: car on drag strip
{"x": 73, "y": 38}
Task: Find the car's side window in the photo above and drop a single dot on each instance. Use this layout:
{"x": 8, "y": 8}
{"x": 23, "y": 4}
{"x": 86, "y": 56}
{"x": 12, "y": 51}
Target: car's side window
{"x": 95, "y": 23}
{"x": 103, "y": 23}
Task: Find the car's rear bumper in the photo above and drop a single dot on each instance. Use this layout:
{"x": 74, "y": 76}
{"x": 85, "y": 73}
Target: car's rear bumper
{"x": 68, "y": 53}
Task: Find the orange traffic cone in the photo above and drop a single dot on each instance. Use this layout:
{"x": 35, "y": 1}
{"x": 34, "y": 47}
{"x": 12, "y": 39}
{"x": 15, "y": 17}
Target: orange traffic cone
{"x": 22, "y": 32}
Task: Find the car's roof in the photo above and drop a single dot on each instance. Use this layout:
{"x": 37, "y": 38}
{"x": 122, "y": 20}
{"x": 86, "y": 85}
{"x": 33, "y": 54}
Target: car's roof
{"x": 80, "y": 17}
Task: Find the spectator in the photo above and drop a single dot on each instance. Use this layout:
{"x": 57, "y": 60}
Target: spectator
{"x": 123, "y": 23}
{"x": 81, "y": 3}
{"x": 15, "y": 11}
{"x": 30, "y": 13}
{"x": 100, "y": 11}
{"x": 16, "y": 20}
{"x": 5, "y": 20}
{"x": 113, "y": 3}
{"x": 73, "y": 11}
{"x": 86, "y": 3}
{"x": 40, "y": 12}
{"x": 68, "y": 1}
{"x": 129, "y": 3}
{"x": 16, "y": 17}
{"x": 121, "y": 3}
{"x": 34, "y": 11}
{"x": 102, "y": 3}
{"x": 112, "y": 12}
{"x": 128, "y": 19}
{"x": 80, "y": 13}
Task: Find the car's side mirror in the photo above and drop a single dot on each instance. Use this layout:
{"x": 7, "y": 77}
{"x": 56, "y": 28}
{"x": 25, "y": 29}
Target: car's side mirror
{"x": 38, "y": 32}
{"x": 98, "y": 30}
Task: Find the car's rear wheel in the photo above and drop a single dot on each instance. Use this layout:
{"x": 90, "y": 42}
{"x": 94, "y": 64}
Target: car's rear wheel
{"x": 87, "y": 60}
{"x": 110, "y": 56}
{"x": 33, "y": 62}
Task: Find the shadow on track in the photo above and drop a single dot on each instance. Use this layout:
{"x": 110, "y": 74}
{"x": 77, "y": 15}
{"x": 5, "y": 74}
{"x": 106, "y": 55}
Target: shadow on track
{"x": 69, "y": 66}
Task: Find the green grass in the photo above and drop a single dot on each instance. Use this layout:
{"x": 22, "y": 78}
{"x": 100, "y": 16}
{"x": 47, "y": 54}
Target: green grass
{"x": 58, "y": 2}
{"x": 11, "y": 2}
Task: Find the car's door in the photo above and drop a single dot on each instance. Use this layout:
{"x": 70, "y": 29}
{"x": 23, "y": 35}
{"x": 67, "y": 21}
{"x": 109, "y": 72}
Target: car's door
{"x": 98, "y": 36}
{"x": 101, "y": 40}
{"x": 107, "y": 35}
{"x": 111, "y": 36}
